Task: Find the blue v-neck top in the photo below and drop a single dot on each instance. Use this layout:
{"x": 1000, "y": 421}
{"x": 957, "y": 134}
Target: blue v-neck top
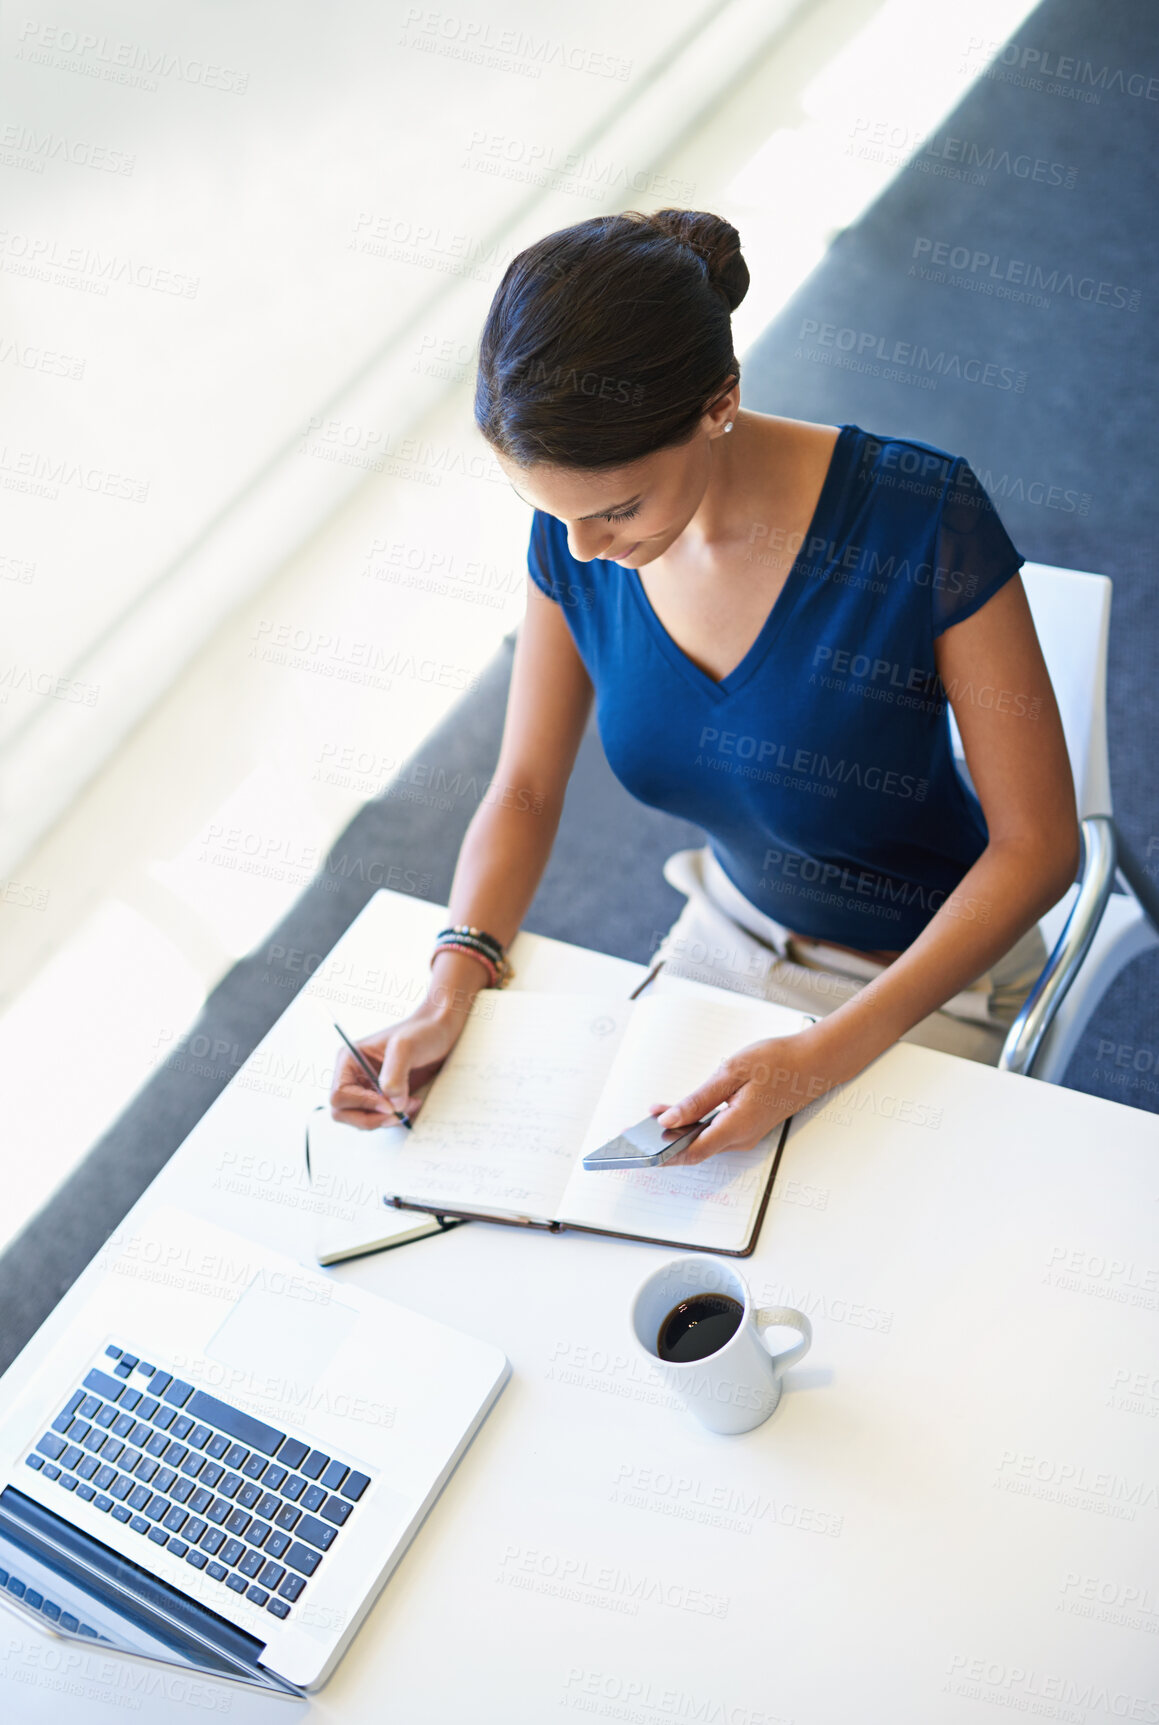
{"x": 820, "y": 768}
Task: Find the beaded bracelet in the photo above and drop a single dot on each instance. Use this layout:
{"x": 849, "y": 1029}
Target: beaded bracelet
{"x": 486, "y": 941}
{"x": 474, "y": 952}
{"x": 482, "y": 946}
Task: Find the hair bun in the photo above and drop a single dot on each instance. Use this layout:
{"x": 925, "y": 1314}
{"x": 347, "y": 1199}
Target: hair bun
{"x": 715, "y": 242}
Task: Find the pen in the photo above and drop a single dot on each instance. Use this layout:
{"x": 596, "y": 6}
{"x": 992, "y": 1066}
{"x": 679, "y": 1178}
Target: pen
{"x": 369, "y": 1071}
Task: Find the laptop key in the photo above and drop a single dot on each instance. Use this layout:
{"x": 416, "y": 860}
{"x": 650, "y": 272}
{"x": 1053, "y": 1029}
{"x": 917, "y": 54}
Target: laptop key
{"x": 175, "y": 1519}
{"x": 86, "y": 1491}
{"x": 164, "y": 1479}
{"x": 140, "y": 1434}
{"x": 164, "y": 1417}
{"x": 294, "y": 1487}
{"x": 210, "y": 1473}
{"x": 34, "y": 1460}
{"x": 114, "y": 1353}
{"x": 89, "y": 1407}
{"x": 313, "y": 1497}
{"x": 196, "y": 1558}
{"x": 78, "y": 1431}
{"x": 51, "y": 1446}
{"x": 145, "y": 1469}
{"x": 254, "y": 1433}
{"x": 316, "y": 1532}
{"x": 267, "y": 1506}
{"x": 70, "y": 1457}
{"x": 182, "y": 1491}
{"x": 236, "y": 1454}
{"x": 276, "y": 1543}
{"x": 238, "y": 1522}
{"x": 270, "y": 1574}
{"x": 51, "y": 1471}
{"x": 146, "y": 1411}
{"x": 251, "y": 1563}
{"x": 231, "y": 1551}
{"x": 156, "y": 1507}
{"x": 217, "y": 1570}
{"x": 255, "y": 1467}
{"x": 194, "y": 1528}
{"x": 64, "y": 1417}
{"x": 212, "y": 1540}
{"x": 257, "y": 1594}
{"x": 177, "y": 1547}
{"x": 217, "y": 1445}
{"x": 176, "y": 1453}
{"x": 158, "y": 1443}
{"x": 274, "y": 1476}
{"x": 161, "y": 1382}
{"x": 129, "y": 1360}
{"x": 355, "y": 1485}
{"x": 303, "y": 1558}
{"x": 199, "y": 1436}
{"x": 230, "y": 1484}
{"x": 120, "y": 1513}
{"x": 121, "y": 1487}
{"x": 182, "y": 1426}
{"x": 248, "y": 1494}
{"x": 106, "y": 1416}
{"x": 158, "y": 1535}
{"x": 88, "y": 1467}
{"x": 293, "y": 1452}
{"x": 104, "y": 1502}
{"x": 123, "y": 1425}
{"x": 105, "y": 1475}
{"x": 314, "y": 1463}
{"x": 334, "y": 1475}
{"x": 336, "y": 1509}
{"x": 109, "y": 1389}
{"x": 193, "y": 1464}
{"x": 259, "y": 1532}
{"x": 278, "y": 1607}
{"x": 177, "y": 1392}
{"x": 139, "y": 1496}
{"x": 113, "y": 1450}
{"x": 236, "y": 1582}
{"x": 288, "y": 1517}
{"x": 292, "y": 1587}
{"x": 139, "y": 1524}
{"x": 200, "y": 1499}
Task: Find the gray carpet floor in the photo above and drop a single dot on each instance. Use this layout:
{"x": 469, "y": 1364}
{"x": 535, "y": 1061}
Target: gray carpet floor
{"x": 1067, "y": 457}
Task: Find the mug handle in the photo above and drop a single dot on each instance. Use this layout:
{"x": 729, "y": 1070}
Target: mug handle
{"x": 770, "y": 1315}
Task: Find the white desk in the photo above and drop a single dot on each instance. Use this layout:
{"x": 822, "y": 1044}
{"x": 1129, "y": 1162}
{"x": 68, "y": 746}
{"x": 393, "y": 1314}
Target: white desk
{"x": 954, "y": 1509}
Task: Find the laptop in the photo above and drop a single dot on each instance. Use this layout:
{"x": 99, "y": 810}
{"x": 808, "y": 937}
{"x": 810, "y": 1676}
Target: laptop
{"x": 222, "y": 1457}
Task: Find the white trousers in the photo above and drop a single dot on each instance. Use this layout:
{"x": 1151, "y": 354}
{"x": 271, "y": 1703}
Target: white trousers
{"x": 719, "y": 937}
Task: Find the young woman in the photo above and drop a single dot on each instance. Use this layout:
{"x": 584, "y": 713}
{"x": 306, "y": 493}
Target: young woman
{"x": 772, "y": 616}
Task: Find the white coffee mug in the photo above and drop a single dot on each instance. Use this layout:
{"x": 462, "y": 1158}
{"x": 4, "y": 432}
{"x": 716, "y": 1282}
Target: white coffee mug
{"x": 738, "y": 1386}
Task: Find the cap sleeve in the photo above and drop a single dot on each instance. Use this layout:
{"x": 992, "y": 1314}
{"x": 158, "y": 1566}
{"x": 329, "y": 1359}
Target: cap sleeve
{"x": 975, "y": 555}
{"x": 539, "y": 556}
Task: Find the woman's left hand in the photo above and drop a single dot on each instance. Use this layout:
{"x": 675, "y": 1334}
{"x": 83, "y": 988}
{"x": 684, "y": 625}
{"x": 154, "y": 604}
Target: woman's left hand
{"x": 760, "y": 1085}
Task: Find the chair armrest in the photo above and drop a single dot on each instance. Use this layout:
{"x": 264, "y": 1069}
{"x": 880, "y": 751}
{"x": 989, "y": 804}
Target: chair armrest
{"x": 1096, "y": 878}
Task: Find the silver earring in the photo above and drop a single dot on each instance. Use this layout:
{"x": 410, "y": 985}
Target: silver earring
{"x": 728, "y": 427}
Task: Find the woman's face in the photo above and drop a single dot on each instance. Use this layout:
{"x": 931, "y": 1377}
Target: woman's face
{"x": 627, "y": 514}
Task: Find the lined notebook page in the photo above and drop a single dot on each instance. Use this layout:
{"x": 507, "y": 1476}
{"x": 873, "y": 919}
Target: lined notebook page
{"x": 669, "y": 1047}
{"x": 502, "y": 1123}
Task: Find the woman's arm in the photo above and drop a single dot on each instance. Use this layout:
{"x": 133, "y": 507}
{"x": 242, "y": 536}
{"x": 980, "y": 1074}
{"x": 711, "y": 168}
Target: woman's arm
{"x": 1017, "y": 757}
{"x": 508, "y": 842}
{"x": 503, "y": 855}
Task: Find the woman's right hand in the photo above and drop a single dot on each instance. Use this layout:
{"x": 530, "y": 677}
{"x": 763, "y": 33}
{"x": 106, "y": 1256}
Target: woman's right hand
{"x": 409, "y": 1054}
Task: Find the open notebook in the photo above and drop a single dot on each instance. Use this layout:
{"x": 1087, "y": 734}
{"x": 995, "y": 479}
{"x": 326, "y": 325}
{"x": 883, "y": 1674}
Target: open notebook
{"x": 543, "y": 1078}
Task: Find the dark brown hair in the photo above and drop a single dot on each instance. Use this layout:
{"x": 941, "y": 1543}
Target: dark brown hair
{"x": 608, "y": 340}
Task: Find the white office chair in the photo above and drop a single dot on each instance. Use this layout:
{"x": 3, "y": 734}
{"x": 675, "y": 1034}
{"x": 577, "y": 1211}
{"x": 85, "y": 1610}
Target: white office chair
{"x": 1092, "y": 932}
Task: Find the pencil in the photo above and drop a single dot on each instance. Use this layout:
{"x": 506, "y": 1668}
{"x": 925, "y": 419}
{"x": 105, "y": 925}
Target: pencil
{"x": 370, "y": 1073}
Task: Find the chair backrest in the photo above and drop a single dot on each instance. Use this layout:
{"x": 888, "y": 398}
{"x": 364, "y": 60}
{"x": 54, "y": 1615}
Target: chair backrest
{"x": 1072, "y": 612}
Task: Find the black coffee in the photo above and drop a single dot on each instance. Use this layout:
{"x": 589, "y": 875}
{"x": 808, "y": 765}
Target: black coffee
{"x": 698, "y": 1326}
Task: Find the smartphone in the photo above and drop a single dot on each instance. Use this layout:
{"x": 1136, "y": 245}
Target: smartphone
{"x": 645, "y": 1145}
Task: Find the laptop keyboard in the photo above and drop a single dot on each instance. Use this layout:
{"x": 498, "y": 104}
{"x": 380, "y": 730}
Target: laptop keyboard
{"x": 248, "y": 1505}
